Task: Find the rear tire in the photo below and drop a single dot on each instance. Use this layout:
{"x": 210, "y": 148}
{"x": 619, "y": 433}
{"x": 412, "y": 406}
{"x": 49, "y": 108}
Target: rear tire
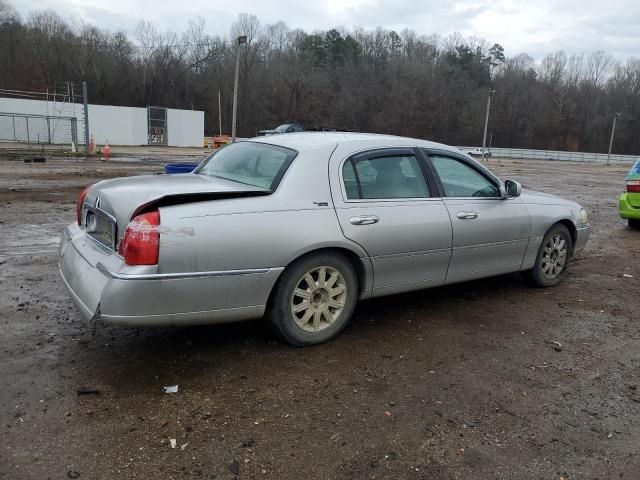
{"x": 634, "y": 223}
{"x": 553, "y": 257}
{"x": 314, "y": 299}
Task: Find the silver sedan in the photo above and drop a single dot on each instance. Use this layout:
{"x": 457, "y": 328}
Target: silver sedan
{"x": 299, "y": 227}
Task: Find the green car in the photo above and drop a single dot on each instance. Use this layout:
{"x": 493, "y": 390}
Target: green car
{"x": 630, "y": 198}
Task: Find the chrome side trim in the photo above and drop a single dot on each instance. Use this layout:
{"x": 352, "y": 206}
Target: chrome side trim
{"x": 491, "y": 244}
{"x": 412, "y": 254}
{"x": 176, "y": 276}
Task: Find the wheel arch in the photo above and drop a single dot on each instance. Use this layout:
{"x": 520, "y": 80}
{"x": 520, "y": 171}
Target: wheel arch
{"x": 573, "y": 231}
{"x": 361, "y": 265}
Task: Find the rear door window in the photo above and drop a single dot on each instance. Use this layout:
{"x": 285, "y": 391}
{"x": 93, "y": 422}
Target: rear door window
{"x": 384, "y": 177}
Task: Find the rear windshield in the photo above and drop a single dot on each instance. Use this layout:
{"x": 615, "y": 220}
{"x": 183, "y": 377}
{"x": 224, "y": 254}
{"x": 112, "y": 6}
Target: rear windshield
{"x": 634, "y": 173}
{"x": 256, "y": 164}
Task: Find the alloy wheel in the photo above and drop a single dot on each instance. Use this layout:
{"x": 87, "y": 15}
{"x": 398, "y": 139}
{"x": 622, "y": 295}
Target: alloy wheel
{"x": 554, "y": 256}
{"x": 318, "y": 299}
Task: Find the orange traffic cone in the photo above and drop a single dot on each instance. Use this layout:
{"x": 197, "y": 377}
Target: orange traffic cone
{"x": 106, "y": 151}
{"x": 92, "y": 145}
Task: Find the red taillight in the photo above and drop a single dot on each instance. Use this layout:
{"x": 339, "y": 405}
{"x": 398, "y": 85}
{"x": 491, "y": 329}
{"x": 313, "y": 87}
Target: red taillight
{"x": 141, "y": 242}
{"x": 633, "y": 186}
{"x": 80, "y": 202}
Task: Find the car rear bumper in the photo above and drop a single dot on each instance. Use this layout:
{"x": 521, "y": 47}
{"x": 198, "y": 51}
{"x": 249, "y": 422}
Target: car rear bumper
{"x": 625, "y": 207}
{"x": 101, "y": 284}
{"x": 83, "y": 281}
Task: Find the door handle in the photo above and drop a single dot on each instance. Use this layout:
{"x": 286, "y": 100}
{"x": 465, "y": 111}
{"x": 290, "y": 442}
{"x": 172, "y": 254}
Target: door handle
{"x": 467, "y": 215}
{"x": 364, "y": 220}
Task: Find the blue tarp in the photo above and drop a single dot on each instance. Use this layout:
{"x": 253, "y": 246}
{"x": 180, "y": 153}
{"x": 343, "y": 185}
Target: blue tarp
{"x": 180, "y": 167}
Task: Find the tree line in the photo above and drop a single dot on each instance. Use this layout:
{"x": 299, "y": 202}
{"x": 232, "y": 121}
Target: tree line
{"x": 375, "y": 80}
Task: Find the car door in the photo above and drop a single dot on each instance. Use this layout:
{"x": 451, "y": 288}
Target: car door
{"x": 384, "y": 203}
{"x": 490, "y": 231}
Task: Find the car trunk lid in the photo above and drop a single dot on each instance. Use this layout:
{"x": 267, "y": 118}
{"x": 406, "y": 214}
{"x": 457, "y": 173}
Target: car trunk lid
{"x": 118, "y": 200}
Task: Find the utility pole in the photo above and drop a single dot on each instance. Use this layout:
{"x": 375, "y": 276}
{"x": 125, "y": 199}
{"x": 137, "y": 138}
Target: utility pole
{"x": 486, "y": 124}
{"x": 219, "y": 114}
{"x": 613, "y": 131}
{"x": 242, "y": 39}
{"x": 86, "y": 117}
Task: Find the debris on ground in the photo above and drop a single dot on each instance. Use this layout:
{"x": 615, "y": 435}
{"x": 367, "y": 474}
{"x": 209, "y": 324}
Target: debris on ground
{"x": 171, "y": 389}
{"x": 173, "y": 442}
{"x": 250, "y": 442}
{"x": 234, "y": 467}
{"x": 87, "y": 391}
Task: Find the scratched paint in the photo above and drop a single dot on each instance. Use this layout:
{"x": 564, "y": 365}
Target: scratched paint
{"x": 177, "y": 231}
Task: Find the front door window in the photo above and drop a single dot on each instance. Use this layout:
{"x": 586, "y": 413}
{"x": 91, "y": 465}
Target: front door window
{"x": 461, "y": 180}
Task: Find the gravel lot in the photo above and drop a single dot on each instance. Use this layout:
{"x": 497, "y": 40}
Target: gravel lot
{"x": 450, "y": 383}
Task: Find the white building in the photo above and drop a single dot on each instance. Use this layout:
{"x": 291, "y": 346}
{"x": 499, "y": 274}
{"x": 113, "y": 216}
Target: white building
{"x": 40, "y": 121}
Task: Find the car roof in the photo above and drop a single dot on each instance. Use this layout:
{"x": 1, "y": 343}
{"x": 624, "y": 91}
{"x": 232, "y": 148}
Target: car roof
{"x": 310, "y": 140}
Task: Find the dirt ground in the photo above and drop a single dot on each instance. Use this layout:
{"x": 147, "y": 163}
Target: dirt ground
{"x": 461, "y": 382}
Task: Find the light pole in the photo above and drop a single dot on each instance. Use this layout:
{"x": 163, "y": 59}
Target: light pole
{"x": 613, "y": 131}
{"x": 85, "y": 111}
{"x": 242, "y": 39}
{"x": 486, "y": 124}
{"x": 219, "y": 114}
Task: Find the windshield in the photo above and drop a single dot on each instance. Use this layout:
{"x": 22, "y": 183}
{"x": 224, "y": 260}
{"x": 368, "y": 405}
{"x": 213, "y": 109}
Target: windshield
{"x": 634, "y": 173}
{"x": 282, "y": 128}
{"x": 256, "y": 164}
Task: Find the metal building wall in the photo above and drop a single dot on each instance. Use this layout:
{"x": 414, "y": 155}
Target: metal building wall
{"x": 38, "y": 128}
{"x": 185, "y": 127}
{"x": 118, "y": 125}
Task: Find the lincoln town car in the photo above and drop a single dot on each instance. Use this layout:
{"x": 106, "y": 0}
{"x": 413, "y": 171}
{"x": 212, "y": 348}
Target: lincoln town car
{"x": 296, "y": 228}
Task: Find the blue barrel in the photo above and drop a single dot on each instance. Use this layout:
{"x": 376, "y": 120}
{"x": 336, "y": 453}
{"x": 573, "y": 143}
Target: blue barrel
{"x": 180, "y": 167}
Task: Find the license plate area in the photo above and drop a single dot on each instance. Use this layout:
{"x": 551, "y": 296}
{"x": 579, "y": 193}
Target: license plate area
{"x": 101, "y": 228}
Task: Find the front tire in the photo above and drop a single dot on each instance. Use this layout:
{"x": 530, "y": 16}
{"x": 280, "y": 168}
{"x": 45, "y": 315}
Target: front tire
{"x": 553, "y": 257}
{"x": 314, "y": 299}
{"x": 634, "y": 223}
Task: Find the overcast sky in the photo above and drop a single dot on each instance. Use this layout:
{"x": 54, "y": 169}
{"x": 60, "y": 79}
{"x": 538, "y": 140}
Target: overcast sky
{"x": 536, "y": 27}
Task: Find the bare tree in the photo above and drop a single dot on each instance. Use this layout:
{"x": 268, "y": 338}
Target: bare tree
{"x": 7, "y": 13}
{"x": 598, "y": 68}
{"x": 355, "y": 79}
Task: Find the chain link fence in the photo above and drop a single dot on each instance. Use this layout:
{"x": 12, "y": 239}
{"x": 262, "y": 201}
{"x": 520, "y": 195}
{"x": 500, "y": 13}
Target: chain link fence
{"x": 27, "y": 128}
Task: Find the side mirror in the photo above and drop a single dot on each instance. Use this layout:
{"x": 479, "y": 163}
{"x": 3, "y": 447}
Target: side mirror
{"x": 513, "y": 188}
